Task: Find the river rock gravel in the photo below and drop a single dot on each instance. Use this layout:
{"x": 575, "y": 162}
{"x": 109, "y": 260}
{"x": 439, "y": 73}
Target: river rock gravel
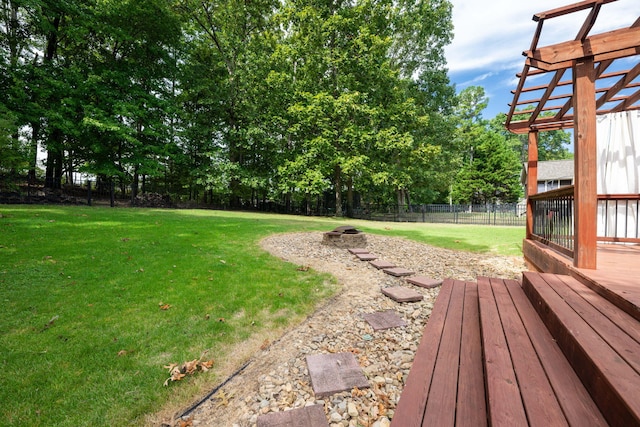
{"x": 276, "y": 378}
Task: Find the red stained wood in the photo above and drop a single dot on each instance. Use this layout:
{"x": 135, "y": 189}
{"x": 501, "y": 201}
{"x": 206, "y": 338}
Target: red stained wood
{"x": 540, "y": 402}
{"x": 503, "y": 395}
{"x": 617, "y": 338}
{"x": 532, "y": 178}
{"x": 412, "y": 403}
{"x": 441, "y": 400}
{"x": 618, "y": 316}
{"x": 472, "y": 403}
{"x": 578, "y": 407}
{"x": 586, "y": 195}
{"x": 612, "y": 383}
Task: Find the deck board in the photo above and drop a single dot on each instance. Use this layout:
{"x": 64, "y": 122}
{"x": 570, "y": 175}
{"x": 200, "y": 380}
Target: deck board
{"x": 617, "y": 276}
{"x": 505, "y": 406}
{"x": 471, "y": 400}
{"x": 609, "y": 381}
{"x": 441, "y": 401}
{"x": 618, "y": 339}
{"x": 624, "y": 321}
{"x": 412, "y": 403}
{"x": 576, "y": 403}
{"x": 539, "y": 399}
{"x": 508, "y": 354}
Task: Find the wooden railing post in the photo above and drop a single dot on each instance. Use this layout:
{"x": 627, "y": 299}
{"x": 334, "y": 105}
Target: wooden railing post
{"x": 532, "y": 178}
{"x": 586, "y": 196}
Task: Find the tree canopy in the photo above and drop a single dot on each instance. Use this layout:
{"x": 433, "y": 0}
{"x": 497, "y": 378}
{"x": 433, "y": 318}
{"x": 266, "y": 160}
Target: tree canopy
{"x": 240, "y": 103}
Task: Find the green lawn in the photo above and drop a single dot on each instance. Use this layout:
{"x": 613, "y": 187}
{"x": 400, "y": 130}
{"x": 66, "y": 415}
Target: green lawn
{"x": 83, "y": 338}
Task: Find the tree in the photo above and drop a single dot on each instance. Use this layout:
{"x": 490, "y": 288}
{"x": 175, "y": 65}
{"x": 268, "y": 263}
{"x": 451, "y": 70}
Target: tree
{"x": 355, "y": 118}
{"x": 491, "y": 165}
{"x": 232, "y": 39}
{"x": 492, "y": 176}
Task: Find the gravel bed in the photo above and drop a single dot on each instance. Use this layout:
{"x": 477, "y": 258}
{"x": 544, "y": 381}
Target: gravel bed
{"x": 276, "y": 379}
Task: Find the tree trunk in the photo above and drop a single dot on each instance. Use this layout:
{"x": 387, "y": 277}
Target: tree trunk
{"x": 53, "y": 172}
{"x": 134, "y": 184}
{"x": 337, "y": 179}
{"x": 33, "y": 151}
{"x": 350, "y": 197}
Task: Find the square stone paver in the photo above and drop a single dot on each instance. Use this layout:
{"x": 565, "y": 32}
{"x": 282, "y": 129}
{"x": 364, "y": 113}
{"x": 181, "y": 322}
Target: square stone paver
{"x": 333, "y": 373}
{"x": 398, "y": 271}
{"x": 381, "y": 264}
{"x": 366, "y": 257}
{"x": 358, "y": 251}
{"x": 310, "y": 416}
{"x": 384, "y": 320}
{"x": 424, "y": 281}
{"x": 402, "y": 294}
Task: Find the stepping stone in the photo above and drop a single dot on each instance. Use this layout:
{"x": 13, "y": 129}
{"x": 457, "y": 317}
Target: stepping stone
{"x": 402, "y": 294}
{"x": 358, "y": 251}
{"x": 333, "y": 373}
{"x": 366, "y": 257}
{"x": 398, "y": 271}
{"x": 310, "y": 416}
{"x": 380, "y": 264}
{"x": 381, "y": 320}
{"x": 424, "y": 281}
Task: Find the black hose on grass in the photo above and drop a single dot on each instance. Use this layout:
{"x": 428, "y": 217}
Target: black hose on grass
{"x": 215, "y": 390}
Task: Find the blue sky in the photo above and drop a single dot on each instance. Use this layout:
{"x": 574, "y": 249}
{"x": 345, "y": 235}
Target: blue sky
{"x": 490, "y": 36}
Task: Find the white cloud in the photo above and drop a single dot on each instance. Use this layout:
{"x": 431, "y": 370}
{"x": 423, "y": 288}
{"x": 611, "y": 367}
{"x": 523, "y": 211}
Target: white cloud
{"x": 491, "y": 35}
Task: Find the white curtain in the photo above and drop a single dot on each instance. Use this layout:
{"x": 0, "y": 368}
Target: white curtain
{"x": 618, "y": 145}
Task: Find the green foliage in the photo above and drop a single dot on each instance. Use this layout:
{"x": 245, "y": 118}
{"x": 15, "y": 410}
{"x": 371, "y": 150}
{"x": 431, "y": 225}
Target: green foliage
{"x": 490, "y": 172}
{"x": 13, "y": 159}
{"x": 492, "y": 176}
{"x": 239, "y": 101}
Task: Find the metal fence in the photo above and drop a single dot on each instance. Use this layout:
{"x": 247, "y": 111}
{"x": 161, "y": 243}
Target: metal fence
{"x": 490, "y": 214}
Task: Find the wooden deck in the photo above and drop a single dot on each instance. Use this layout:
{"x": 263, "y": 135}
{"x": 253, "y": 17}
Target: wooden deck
{"x": 548, "y": 352}
{"x": 617, "y": 276}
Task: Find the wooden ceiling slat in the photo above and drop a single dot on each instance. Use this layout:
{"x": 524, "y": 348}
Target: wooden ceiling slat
{"x": 604, "y": 49}
{"x": 544, "y": 86}
{"x": 620, "y": 84}
{"x": 545, "y": 97}
{"x": 627, "y": 103}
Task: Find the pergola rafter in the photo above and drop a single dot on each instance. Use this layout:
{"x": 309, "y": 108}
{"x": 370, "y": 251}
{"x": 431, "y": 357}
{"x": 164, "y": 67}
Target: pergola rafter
{"x": 589, "y": 91}
{"x": 603, "y": 49}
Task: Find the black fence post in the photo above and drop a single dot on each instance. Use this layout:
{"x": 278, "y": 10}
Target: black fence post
{"x": 112, "y": 192}
{"x": 89, "y": 192}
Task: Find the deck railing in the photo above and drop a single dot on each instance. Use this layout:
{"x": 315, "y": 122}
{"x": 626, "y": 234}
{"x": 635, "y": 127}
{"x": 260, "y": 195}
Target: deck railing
{"x": 618, "y": 218}
{"x": 553, "y": 218}
{"x": 553, "y": 221}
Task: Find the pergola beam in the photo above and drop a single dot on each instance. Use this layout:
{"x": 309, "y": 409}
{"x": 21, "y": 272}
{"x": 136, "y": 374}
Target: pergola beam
{"x": 613, "y": 44}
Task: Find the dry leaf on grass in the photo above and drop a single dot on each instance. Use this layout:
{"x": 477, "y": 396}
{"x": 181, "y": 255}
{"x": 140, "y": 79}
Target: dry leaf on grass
{"x": 178, "y": 372}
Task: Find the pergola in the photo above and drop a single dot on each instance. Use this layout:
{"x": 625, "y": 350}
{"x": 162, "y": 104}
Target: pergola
{"x": 577, "y": 87}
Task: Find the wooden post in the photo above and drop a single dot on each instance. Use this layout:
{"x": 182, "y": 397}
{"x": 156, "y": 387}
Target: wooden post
{"x": 586, "y": 197}
{"x": 532, "y": 178}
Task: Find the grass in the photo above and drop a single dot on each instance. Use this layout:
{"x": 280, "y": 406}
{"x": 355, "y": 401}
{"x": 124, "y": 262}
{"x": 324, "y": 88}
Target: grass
{"x": 83, "y": 338}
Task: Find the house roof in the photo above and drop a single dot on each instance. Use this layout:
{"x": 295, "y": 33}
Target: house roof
{"x": 551, "y": 170}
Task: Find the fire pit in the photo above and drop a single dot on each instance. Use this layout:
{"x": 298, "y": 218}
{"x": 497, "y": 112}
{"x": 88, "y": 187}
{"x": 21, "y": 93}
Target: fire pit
{"x": 345, "y": 237}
